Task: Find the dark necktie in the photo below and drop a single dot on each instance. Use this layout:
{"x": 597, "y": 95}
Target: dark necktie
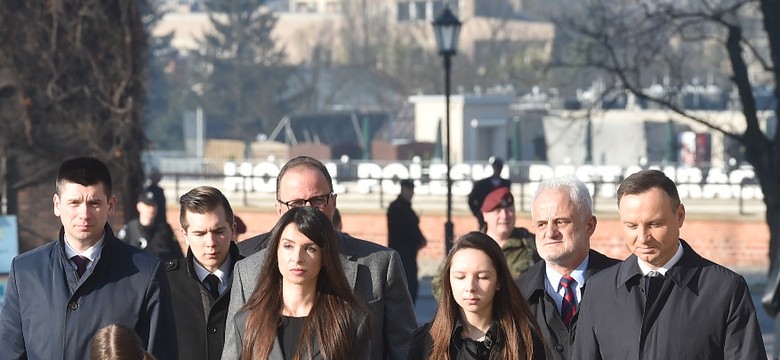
{"x": 653, "y": 282}
{"x": 212, "y": 284}
{"x": 569, "y": 304}
{"x": 81, "y": 264}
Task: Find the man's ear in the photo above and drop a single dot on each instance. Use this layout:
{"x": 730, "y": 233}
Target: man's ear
{"x": 184, "y": 234}
{"x": 56, "y": 201}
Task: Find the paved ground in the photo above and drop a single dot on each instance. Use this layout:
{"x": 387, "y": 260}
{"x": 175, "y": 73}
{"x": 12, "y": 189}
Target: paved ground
{"x": 426, "y": 306}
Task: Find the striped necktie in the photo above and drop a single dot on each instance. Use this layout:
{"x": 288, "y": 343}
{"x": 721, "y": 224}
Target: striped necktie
{"x": 569, "y": 304}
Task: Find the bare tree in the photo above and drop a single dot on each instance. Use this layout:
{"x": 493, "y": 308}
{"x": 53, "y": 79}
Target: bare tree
{"x": 637, "y": 43}
{"x": 71, "y": 83}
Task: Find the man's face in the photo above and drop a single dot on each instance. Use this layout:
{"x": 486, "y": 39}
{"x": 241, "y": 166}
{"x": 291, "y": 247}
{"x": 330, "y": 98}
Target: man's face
{"x": 562, "y": 234}
{"x": 302, "y": 183}
{"x": 208, "y": 236}
{"x": 500, "y": 222}
{"x": 83, "y": 211}
{"x": 651, "y": 226}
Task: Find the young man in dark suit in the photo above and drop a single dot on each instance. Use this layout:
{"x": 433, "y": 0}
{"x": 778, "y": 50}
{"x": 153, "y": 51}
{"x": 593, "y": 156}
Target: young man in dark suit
{"x": 374, "y": 271}
{"x": 61, "y": 293}
{"x": 665, "y": 301}
{"x": 200, "y": 282}
{"x": 562, "y": 214}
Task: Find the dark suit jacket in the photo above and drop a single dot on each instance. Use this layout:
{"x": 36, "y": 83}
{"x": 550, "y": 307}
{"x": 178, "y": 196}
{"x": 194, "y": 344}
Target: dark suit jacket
{"x": 704, "y": 311}
{"x": 253, "y": 244}
{"x": 558, "y": 337}
{"x": 200, "y": 320}
{"x": 374, "y": 272}
{"x": 49, "y": 313}
{"x": 361, "y": 339}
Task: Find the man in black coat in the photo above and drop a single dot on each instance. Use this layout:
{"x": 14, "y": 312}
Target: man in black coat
{"x": 404, "y": 235}
{"x": 200, "y": 283}
{"x": 562, "y": 213}
{"x": 665, "y": 301}
{"x": 484, "y": 187}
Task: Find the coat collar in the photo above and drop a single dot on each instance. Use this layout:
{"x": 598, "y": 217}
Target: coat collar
{"x": 535, "y": 288}
{"x": 233, "y": 256}
{"x": 684, "y": 274}
{"x": 348, "y": 258}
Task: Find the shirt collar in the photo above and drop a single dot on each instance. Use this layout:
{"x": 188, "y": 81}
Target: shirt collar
{"x": 578, "y": 274}
{"x": 222, "y": 273}
{"x": 91, "y": 253}
{"x": 645, "y": 268}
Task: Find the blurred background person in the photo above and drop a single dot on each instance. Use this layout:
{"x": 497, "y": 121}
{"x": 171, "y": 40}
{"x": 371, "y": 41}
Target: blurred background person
{"x": 481, "y": 313}
{"x": 240, "y": 227}
{"x": 517, "y": 243}
{"x": 483, "y": 187}
{"x": 303, "y": 293}
{"x": 152, "y": 184}
{"x": 404, "y": 235}
{"x": 144, "y": 232}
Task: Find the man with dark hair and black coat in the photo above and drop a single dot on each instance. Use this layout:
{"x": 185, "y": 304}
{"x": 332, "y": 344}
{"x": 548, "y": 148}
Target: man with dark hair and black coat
{"x": 200, "y": 283}
{"x": 145, "y": 233}
{"x": 484, "y": 187}
{"x": 404, "y": 235}
{"x": 562, "y": 213}
{"x": 664, "y": 301}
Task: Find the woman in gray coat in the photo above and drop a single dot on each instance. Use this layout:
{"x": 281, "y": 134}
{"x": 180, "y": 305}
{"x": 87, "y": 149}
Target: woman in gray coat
{"x": 304, "y": 295}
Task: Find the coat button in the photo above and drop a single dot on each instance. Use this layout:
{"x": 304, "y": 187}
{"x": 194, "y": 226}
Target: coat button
{"x": 73, "y": 305}
{"x": 213, "y": 329}
{"x": 559, "y": 347}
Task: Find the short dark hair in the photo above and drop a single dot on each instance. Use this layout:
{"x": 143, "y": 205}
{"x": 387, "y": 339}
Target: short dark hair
{"x": 201, "y": 200}
{"x": 85, "y": 171}
{"x": 406, "y": 183}
{"x": 307, "y": 162}
{"x": 645, "y": 180}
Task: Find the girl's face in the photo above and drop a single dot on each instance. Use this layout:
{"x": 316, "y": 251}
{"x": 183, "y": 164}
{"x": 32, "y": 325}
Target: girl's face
{"x": 474, "y": 282}
{"x": 300, "y": 259}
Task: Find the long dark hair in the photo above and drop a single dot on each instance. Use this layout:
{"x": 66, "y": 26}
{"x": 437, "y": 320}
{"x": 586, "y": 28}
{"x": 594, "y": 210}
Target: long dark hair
{"x": 117, "y": 342}
{"x": 516, "y": 325}
{"x": 329, "y": 319}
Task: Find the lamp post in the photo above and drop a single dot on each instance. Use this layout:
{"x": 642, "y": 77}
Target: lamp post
{"x": 447, "y": 28}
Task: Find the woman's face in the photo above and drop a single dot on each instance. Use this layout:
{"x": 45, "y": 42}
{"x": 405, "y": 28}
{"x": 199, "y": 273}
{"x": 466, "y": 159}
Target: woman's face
{"x": 474, "y": 282}
{"x": 300, "y": 259}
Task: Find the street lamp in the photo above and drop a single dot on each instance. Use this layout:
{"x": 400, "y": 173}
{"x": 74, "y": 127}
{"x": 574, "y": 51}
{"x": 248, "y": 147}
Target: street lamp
{"x": 447, "y": 28}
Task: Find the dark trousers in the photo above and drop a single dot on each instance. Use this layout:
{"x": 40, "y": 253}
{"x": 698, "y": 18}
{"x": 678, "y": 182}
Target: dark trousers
{"x": 410, "y": 269}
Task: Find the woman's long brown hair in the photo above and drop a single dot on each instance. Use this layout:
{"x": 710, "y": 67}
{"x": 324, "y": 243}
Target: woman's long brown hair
{"x": 515, "y": 323}
{"x": 334, "y": 305}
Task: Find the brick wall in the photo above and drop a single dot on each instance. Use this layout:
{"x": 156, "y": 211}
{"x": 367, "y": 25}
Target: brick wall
{"x": 735, "y": 243}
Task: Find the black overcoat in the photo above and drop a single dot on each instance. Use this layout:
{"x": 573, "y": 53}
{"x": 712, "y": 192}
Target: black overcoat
{"x": 200, "y": 320}
{"x": 558, "y": 337}
{"x": 704, "y": 311}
